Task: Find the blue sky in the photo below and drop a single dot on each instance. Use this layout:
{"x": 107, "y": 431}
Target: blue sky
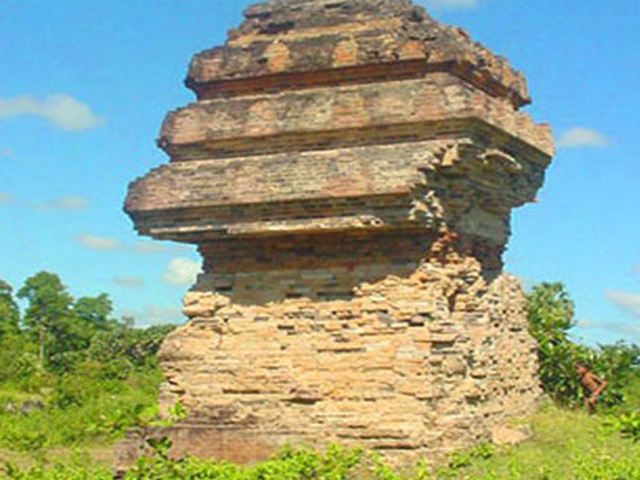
{"x": 86, "y": 84}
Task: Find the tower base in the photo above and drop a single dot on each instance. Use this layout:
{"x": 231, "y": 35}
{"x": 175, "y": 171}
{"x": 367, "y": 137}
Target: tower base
{"x": 410, "y": 367}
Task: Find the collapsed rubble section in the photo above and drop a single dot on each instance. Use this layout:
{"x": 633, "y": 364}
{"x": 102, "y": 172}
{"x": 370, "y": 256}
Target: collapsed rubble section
{"x": 348, "y": 174}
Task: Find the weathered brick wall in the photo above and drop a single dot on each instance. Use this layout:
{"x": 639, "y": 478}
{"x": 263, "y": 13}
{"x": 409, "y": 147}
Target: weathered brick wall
{"x": 326, "y": 267}
{"x": 412, "y": 365}
{"x": 348, "y": 173}
{"x": 280, "y": 120}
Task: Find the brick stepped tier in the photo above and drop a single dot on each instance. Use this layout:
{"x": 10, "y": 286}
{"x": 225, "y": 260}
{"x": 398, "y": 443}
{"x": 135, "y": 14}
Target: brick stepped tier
{"x": 348, "y": 173}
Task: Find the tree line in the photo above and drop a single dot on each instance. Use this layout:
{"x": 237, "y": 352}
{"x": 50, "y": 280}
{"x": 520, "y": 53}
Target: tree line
{"x": 58, "y": 333}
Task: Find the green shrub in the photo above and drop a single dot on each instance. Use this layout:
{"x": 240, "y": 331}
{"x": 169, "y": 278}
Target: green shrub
{"x": 551, "y": 317}
{"x": 337, "y": 463}
{"x": 465, "y": 458}
{"x": 79, "y": 408}
{"x": 628, "y": 424}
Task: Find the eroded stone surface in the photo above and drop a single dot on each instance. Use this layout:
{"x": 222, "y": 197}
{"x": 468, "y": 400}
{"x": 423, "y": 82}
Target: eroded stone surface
{"x": 411, "y": 365}
{"x": 365, "y": 35}
{"x": 348, "y": 174}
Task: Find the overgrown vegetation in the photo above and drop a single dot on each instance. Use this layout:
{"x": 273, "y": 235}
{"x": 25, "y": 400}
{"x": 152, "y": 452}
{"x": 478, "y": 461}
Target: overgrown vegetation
{"x": 69, "y": 372}
{"x": 70, "y": 375}
{"x": 568, "y": 445}
{"x": 551, "y": 317}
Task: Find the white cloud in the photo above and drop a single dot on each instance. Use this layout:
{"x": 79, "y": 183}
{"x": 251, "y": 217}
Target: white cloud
{"x": 451, "y": 3}
{"x": 146, "y": 248}
{"x": 7, "y": 153}
{"x": 63, "y": 111}
{"x": 5, "y": 197}
{"x": 98, "y": 242}
{"x": 629, "y": 302}
{"x": 95, "y": 242}
{"x": 585, "y": 323}
{"x": 182, "y": 271}
{"x": 579, "y": 137}
{"x": 149, "y": 248}
{"x": 69, "y": 203}
{"x": 624, "y": 329}
{"x": 156, "y": 315}
{"x": 129, "y": 282}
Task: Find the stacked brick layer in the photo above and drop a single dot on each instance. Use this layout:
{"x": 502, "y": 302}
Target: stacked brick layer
{"x": 411, "y": 366}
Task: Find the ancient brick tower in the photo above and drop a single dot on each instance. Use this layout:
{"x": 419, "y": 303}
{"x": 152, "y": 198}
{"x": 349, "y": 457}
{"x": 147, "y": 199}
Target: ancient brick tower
{"x": 348, "y": 174}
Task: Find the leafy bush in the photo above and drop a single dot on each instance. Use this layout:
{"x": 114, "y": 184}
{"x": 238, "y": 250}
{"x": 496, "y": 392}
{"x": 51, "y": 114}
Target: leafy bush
{"x": 78, "y": 409}
{"x": 551, "y": 312}
{"x": 551, "y": 317}
{"x": 628, "y": 424}
{"x": 465, "y": 458}
{"x": 337, "y": 463}
{"x": 618, "y": 363}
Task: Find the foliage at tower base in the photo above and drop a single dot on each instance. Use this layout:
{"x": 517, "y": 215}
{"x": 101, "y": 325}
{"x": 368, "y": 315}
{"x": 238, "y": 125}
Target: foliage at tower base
{"x": 551, "y": 318}
{"x": 69, "y": 371}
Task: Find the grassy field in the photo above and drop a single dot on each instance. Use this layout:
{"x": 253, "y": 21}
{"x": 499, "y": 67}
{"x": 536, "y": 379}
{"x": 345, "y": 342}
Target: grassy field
{"x": 566, "y": 445}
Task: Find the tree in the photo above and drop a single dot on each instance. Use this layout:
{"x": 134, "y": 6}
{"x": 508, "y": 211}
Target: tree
{"x": 48, "y": 312}
{"x": 551, "y": 312}
{"x": 11, "y": 342}
{"x": 9, "y": 312}
{"x": 94, "y": 310}
{"x": 551, "y": 316}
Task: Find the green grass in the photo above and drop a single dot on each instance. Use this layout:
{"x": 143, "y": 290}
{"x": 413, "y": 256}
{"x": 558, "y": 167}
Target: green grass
{"x": 77, "y": 412}
{"x": 632, "y": 395}
{"x": 566, "y": 445}
{"x": 93, "y": 456}
{"x": 72, "y": 435}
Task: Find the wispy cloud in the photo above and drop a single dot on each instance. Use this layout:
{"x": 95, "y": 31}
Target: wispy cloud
{"x": 156, "y": 315}
{"x": 100, "y": 242}
{"x": 636, "y": 270}
{"x": 129, "y": 282}
{"x": 69, "y": 203}
{"x": 579, "y": 137}
{"x": 5, "y": 197}
{"x": 147, "y": 248}
{"x": 182, "y": 271}
{"x": 630, "y": 302}
{"x": 624, "y": 329}
{"x": 7, "y": 152}
{"x": 451, "y": 3}
{"x": 97, "y": 242}
{"x": 585, "y": 323}
{"x": 62, "y": 111}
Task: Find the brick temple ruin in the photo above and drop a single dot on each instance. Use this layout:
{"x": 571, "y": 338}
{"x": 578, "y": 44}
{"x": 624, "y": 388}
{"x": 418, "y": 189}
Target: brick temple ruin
{"x": 348, "y": 174}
